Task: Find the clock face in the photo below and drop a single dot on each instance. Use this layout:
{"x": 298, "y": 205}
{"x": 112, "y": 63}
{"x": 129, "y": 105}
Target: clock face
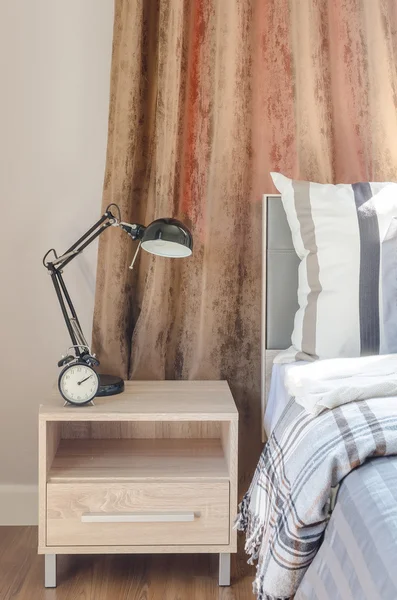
{"x": 78, "y": 383}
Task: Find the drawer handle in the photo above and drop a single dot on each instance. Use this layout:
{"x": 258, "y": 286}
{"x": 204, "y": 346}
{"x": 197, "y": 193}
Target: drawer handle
{"x": 152, "y": 517}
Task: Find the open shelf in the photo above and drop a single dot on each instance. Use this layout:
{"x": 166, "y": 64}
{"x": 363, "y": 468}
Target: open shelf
{"x": 88, "y": 460}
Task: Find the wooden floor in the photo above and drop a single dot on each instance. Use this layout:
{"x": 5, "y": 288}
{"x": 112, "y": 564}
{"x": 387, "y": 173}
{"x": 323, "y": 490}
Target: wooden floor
{"x": 123, "y": 577}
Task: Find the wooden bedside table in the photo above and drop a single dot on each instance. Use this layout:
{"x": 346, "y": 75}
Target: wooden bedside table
{"x": 152, "y": 470}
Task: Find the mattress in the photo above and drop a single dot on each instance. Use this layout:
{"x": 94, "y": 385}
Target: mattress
{"x": 358, "y": 557}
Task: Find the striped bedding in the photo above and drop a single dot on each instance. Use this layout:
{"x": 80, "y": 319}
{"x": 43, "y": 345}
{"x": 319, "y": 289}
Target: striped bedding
{"x": 287, "y": 507}
{"x": 358, "y": 557}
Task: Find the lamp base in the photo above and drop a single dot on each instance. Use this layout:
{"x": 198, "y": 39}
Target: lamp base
{"x": 110, "y": 385}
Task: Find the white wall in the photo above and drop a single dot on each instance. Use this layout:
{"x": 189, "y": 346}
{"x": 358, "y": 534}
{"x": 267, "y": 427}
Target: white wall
{"x": 54, "y": 76}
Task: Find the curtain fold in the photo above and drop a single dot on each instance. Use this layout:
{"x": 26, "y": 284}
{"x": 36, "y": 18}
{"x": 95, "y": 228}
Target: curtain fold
{"x": 207, "y": 97}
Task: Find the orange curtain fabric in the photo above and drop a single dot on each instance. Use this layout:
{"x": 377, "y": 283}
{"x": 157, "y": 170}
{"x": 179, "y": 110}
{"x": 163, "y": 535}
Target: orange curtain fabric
{"x": 207, "y": 97}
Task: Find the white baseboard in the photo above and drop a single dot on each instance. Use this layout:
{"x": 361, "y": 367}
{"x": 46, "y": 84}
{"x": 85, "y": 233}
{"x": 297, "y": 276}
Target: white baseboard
{"x": 18, "y": 504}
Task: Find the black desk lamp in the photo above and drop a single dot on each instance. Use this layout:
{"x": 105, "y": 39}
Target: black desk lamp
{"x": 78, "y": 382}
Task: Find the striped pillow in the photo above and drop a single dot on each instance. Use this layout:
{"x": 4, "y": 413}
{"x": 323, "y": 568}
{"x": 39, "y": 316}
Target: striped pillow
{"x": 346, "y": 238}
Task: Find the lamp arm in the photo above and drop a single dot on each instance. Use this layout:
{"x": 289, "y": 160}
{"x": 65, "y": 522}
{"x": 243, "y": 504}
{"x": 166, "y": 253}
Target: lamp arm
{"x": 56, "y": 265}
{"x": 106, "y": 220}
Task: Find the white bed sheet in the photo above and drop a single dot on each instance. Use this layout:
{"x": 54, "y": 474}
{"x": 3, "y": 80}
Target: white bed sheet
{"x": 278, "y": 396}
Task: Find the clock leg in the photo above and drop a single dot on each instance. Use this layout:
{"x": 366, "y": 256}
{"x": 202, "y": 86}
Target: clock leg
{"x": 224, "y": 569}
{"x": 50, "y": 570}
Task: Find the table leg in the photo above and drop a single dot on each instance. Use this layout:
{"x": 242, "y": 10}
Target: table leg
{"x": 224, "y": 569}
{"x": 50, "y": 570}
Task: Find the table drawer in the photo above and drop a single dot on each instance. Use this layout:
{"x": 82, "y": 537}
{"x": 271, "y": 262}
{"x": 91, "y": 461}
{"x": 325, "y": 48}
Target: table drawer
{"x": 130, "y": 514}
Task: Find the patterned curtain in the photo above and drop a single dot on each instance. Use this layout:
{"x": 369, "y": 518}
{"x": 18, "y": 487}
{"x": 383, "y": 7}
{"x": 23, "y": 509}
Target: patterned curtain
{"x": 207, "y": 97}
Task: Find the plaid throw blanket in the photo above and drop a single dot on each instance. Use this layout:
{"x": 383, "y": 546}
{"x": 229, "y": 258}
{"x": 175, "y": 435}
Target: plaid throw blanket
{"x": 287, "y": 507}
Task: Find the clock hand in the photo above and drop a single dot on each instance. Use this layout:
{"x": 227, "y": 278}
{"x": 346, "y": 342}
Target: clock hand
{"x": 83, "y": 380}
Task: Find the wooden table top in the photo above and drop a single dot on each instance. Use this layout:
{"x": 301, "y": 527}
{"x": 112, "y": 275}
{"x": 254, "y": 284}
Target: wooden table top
{"x": 151, "y": 401}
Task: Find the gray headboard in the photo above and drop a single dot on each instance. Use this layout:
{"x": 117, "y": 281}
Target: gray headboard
{"x": 279, "y": 286}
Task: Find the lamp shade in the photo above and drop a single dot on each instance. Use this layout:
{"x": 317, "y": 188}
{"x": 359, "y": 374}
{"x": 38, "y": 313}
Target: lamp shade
{"x": 167, "y": 237}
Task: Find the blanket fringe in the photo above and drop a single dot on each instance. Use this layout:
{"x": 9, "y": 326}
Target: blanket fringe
{"x": 252, "y": 526}
{"x": 242, "y": 519}
{"x": 249, "y": 523}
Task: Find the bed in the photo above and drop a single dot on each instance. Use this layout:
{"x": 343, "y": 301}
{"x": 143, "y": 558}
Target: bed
{"x": 358, "y": 553}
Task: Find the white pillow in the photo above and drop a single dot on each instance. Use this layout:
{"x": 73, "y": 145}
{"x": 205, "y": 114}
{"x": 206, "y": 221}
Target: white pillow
{"x": 346, "y": 238}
